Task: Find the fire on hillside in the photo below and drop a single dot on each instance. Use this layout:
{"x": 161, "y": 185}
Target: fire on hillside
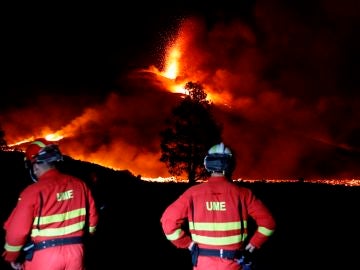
{"x": 275, "y": 130}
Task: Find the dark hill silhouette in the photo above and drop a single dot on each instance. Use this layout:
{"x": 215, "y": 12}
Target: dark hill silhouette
{"x": 317, "y": 223}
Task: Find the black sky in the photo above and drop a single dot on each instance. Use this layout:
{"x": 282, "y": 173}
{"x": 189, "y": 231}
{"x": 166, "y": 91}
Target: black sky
{"x": 89, "y": 45}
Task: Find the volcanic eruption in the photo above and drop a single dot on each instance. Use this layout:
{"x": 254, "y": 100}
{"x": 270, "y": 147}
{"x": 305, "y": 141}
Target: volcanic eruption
{"x": 275, "y": 92}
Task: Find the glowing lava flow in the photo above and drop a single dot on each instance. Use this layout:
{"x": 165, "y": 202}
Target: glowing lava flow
{"x": 344, "y": 182}
{"x": 334, "y": 182}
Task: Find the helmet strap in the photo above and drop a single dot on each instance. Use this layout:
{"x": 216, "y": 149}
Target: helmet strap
{"x": 30, "y": 167}
{"x": 32, "y": 175}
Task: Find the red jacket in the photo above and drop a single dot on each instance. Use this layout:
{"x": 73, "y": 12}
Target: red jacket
{"x": 217, "y": 212}
{"x": 56, "y": 206}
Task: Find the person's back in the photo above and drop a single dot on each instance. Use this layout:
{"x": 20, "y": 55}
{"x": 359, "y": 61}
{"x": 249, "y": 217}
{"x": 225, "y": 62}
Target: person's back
{"x": 217, "y": 213}
{"x": 58, "y": 193}
{"x": 54, "y": 212}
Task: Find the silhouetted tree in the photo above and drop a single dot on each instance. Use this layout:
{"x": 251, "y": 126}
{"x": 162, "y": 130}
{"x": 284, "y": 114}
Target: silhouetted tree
{"x": 191, "y": 131}
{"x": 196, "y": 92}
{"x": 3, "y": 144}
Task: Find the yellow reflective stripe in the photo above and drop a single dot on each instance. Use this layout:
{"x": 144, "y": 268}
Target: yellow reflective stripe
{"x": 174, "y": 236}
{"x": 92, "y": 229}
{"x": 219, "y": 226}
{"x": 265, "y": 231}
{"x": 215, "y": 241}
{"x": 11, "y": 248}
{"x": 60, "y": 217}
{"x": 59, "y": 231}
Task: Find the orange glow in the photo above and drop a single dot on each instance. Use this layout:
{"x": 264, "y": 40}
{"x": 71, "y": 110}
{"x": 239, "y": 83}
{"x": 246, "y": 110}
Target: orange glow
{"x": 267, "y": 122}
{"x": 172, "y": 64}
{"x": 176, "y": 62}
{"x": 53, "y": 137}
{"x": 21, "y": 142}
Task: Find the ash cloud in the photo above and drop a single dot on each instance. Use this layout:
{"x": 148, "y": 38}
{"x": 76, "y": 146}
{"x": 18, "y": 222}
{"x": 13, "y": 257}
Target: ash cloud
{"x": 290, "y": 79}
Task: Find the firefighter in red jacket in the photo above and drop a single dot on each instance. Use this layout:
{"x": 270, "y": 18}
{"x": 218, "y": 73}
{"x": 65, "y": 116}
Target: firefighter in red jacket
{"x": 217, "y": 214}
{"x": 52, "y": 215}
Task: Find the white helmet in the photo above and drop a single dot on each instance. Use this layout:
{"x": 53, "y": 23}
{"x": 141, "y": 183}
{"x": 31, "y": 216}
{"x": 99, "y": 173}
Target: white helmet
{"x": 219, "y": 149}
{"x": 219, "y": 159}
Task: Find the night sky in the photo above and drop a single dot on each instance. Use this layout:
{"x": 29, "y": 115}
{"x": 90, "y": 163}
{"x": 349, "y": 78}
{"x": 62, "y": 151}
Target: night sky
{"x": 287, "y": 72}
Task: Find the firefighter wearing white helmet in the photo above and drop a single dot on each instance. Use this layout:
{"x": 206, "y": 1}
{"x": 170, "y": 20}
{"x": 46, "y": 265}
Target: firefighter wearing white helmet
{"x": 217, "y": 212}
{"x": 219, "y": 159}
